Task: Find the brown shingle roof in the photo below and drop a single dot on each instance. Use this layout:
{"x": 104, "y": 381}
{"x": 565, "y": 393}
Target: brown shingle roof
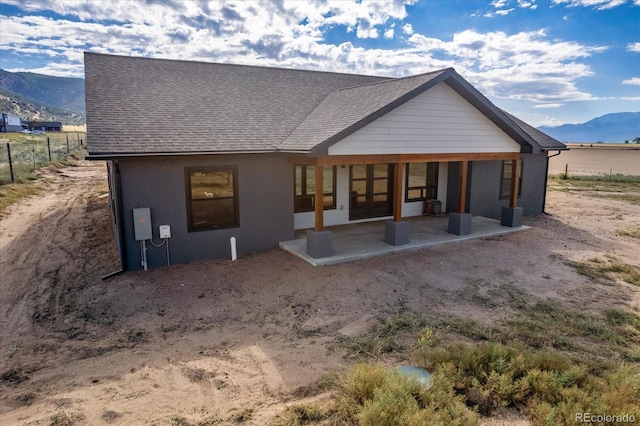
{"x": 183, "y": 107}
{"x": 543, "y": 140}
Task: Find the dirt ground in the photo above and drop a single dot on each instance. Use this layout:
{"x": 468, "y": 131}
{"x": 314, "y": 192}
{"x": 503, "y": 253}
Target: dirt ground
{"x": 217, "y": 339}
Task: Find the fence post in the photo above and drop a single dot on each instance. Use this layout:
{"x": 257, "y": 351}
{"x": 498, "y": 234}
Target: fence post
{"x": 67, "y": 144}
{"x": 49, "y": 148}
{"x": 34, "y": 156}
{"x": 13, "y": 179}
{"x": 566, "y": 171}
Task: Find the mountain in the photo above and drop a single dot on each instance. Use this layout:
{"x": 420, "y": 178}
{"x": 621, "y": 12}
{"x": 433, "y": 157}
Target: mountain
{"x": 616, "y": 127}
{"x": 29, "y": 110}
{"x": 55, "y": 92}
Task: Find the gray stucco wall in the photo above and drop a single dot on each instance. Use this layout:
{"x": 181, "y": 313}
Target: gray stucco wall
{"x": 265, "y": 198}
{"x": 485, "y": 186}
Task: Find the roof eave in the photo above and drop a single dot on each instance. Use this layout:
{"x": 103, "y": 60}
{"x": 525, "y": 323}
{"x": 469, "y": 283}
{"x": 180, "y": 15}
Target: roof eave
{"x": 118, "y": 155}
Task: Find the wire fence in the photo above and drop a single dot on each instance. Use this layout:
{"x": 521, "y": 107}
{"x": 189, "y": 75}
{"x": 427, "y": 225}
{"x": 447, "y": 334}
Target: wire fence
{"x": 22, "y": 154}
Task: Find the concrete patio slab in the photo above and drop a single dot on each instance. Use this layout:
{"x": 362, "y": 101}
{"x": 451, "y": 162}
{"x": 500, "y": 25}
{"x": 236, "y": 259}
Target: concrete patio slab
{"x": 365, "y": 240}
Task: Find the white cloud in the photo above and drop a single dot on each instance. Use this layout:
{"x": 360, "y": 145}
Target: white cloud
{"x": 635, "y": 81}
{"x": 501, "y": 4}
{"x": 527, "y": 4}
{"x": 525, "y": 65}
{"x": 408, "y": 29}
{"x": 634, "y": 47}
{"x": 498, "y": 4}
{"x": 597, "y": 4}
{"x": 56, "y": 69}
{"x": 548, "y": 106}
{"x": 548, "y": 121}
{"x": 630, "y": 98}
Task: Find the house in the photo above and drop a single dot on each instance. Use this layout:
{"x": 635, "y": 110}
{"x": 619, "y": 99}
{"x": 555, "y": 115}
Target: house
{"x": 45, "y": 126}
{"x": 10, "y": 123}
{"x": 257, "y": 153}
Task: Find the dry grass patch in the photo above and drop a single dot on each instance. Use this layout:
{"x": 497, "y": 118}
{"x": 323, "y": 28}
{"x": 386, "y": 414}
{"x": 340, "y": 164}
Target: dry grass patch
{"x": 471, "y": 381}
{"x": 544, "y": 359}
{"x": 607, "y": 270}
{"x": 616, "y": 187}
{"x": 631, "y": 231}
{"x": 14, "y": 192}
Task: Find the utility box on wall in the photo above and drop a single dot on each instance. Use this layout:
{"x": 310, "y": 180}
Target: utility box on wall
{"x": 142, "y": 224}
{"x": 164, "y": 231}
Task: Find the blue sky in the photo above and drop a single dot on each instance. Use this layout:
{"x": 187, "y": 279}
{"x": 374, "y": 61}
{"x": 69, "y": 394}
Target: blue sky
{"x": 547, "y": 61}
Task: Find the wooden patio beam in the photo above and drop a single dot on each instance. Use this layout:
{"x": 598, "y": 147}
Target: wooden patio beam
{"x": 462, "y": 195}
{"x": 397, "y": 192}
{"x": 333, "y": 160}
{"x": 515, "y": 184}
{"x": 319, "y": 198}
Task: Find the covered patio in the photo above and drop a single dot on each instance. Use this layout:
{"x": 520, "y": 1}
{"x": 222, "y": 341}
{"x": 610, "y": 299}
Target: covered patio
{"x": 365, "y": 240}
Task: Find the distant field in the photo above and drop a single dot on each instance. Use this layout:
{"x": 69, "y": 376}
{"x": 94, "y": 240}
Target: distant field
{"x": 77, "y": 129}
{"x": 598, "y": 159}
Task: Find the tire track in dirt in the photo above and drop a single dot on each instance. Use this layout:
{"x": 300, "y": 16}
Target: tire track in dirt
{"x": 40, "y": 237}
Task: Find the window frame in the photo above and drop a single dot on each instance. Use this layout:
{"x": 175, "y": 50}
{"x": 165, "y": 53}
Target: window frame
{"x": 503, "y": 180}
{"x": 236, "y": 213}
{"x": 424, "y": 189}
{"x": 310, "y": 196}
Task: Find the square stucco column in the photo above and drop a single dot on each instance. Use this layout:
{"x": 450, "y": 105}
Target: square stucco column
{"x": 396, "y": 233}
{"x": 511, "y": 216}
{"x": 319, "y": 244}
{"x": 459, "y": 223}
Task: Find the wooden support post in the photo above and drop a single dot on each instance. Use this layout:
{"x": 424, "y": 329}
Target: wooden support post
{"x": 462, "y": 196}
{"x": 319, "y": 198}
{"x": 397, "y": 192}
{"x": 515, "y": 183}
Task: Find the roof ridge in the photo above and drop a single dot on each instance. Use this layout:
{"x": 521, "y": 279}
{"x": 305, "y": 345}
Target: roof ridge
{"x": 227, "y": 64}
{"x": 394, "y": 79}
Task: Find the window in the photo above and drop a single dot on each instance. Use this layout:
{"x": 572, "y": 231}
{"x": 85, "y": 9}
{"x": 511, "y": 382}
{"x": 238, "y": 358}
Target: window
{"x": 421, "y": 182}
{"x": 505, "y": 182}
{"x": 305, "y": 189}
{"x": 212, "y": 198}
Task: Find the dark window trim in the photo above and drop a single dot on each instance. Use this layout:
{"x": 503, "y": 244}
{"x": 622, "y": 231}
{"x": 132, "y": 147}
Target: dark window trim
{"x": 424, "y": 189}
{"x": 310, "y": 197}
{"x": 503, "y": 180}
{"x": 236, "y": 212}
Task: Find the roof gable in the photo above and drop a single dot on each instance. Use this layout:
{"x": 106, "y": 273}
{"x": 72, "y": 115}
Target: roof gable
{"x": 344, "y": 111}
{"x": 437, "y": 121}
